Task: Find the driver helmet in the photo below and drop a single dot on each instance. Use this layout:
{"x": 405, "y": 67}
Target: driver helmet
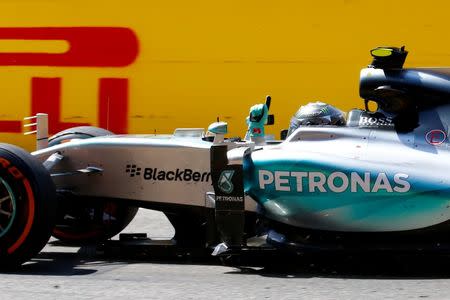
{"x": 316, "y": 113}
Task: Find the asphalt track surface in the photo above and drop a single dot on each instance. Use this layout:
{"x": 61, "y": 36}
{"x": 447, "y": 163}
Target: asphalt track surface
{"x": 62, "y": 272}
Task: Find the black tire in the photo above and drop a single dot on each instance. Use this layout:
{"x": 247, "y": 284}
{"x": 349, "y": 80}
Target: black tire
{"x": 190, "y": 229}
{"x": 80, "y": 220}
{"x": 27, "y": 206}
{"x": 81, "y": 132}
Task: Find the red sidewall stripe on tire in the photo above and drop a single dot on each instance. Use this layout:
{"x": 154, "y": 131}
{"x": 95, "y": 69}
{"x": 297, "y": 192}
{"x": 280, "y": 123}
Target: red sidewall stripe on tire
{"x": 30, "y": 218}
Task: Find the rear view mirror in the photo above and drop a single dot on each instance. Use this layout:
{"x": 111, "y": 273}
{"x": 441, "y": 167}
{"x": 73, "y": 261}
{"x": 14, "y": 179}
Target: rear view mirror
{"x": 270, "y": 120}
{"x": 283, "y": 134}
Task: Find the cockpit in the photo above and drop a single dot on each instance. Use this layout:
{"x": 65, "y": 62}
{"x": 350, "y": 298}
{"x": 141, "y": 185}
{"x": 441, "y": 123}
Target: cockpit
{"x": 394, "y": 96}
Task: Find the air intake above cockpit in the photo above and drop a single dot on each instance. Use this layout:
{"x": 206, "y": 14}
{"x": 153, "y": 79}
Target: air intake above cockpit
{"x": 388, "y": 57}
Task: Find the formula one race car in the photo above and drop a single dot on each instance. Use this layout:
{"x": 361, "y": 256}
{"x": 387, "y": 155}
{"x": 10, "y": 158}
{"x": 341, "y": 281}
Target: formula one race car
{"x": 379, "y": 181}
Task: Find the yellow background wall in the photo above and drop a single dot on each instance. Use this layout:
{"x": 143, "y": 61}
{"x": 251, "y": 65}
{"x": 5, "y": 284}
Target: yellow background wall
{"x": 202, "y": 59}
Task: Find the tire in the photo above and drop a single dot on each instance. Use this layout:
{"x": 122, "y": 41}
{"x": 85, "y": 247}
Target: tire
{"x": 189, "y": 231}
{"x": 79, "y": 219}
{"x": 27, "y": 206}
{"x": 81, "y": 132}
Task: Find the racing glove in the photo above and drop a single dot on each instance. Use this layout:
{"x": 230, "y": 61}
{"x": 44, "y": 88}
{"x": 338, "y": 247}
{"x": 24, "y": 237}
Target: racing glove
{"x": 256, "y": 120}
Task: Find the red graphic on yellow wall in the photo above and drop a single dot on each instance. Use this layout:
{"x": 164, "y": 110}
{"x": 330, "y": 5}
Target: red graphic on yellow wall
{"x": 88, "y": 47}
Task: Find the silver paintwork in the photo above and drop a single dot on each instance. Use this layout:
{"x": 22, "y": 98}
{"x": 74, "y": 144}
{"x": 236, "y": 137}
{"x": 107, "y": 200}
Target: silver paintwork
{"x": 345, "y": 148}
{"x": 52, "y": 160}
{"x": 112, "y": 154}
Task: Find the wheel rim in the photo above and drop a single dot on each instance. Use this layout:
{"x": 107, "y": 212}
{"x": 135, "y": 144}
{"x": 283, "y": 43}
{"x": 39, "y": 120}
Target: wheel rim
{"x": 7, "y": 207}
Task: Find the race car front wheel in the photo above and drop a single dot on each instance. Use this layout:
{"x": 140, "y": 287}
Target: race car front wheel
{"x": 27, "y": 206}
{"x": 81, "y": 220}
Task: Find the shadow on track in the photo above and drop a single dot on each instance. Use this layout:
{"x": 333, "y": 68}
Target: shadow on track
{"x": 56, "y": 264}
{"x": 87, "y": 260}
{"x": 65, "y": 260}
{"x": 360, "y": 266}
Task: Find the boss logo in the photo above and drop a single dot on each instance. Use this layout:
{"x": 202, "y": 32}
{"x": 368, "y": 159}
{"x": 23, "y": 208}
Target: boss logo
{"x": 375, "y": 121}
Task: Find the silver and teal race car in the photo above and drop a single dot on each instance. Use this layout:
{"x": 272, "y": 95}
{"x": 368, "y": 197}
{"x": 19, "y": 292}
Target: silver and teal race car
{"x": 378, "y": 181}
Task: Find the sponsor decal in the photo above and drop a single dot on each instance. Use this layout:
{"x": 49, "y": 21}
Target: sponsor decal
{"x": 375, "y": 121}
{"x": 435, "y": 137}
{"x": 336, "y": 182}
{"x": 156, "y": 174}
{"x": 230, "y": 198}
{"x": 11, "y": 169}
{"x": 257, "y": 130}
{"x": 133, "y": 170}
{"x": 88, "y": 47}
{"x": 225, "y": 184}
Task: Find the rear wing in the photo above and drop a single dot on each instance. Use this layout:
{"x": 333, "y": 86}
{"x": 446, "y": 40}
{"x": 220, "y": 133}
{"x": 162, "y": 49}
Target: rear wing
{"x": 39, "y": 127}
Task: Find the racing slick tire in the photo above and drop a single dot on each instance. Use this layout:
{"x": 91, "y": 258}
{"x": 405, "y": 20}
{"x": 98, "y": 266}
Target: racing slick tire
{"x": 80, "y": 220}
{"x": 80, "y": 132}
{"x": 190, "y": 229}
{"x": 27, "y": 206}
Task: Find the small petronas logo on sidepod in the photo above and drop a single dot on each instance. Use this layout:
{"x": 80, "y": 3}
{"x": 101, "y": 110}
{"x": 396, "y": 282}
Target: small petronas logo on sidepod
{"x": 133, "y": 170}
{"x": 225, "y": 184}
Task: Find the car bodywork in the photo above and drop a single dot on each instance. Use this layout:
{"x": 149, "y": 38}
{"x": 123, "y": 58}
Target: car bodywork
{"x": 364, "y": 177}
{"x": 142, "y": 168}
{"x": 148, "y": 169}
{"x": 383, "y": 176}
{"x": 352, "y": 180}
